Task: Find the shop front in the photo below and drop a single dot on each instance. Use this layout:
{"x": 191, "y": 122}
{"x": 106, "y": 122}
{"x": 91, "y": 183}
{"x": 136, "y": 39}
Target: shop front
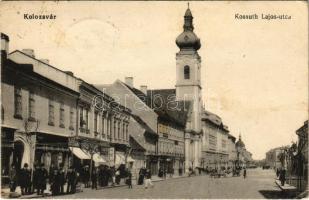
{"x": 7, "y": 152}
{"x": 152, "y": 164}
{"x": 179, "y": 165}
{"x": 88, "y": 152}
{"x": 52, "y": 151}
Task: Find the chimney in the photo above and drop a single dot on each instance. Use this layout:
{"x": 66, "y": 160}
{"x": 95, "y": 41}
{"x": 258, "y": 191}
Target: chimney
{"x": 129, "y": 81}
{"x": 45, "y": 61}
{"x": 29, "y": 52}
{"x": 69, "y": 73}
{"x": 4, "y": 46}
{"x": 144, "y": 89}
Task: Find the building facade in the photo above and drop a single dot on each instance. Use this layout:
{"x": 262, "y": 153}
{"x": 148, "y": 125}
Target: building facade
{"x": 215, "y": 142}
{"x": 232, "y": 151}
{"x": 146, "y": 118}
{"x": 50, "y": 116}
{"x": 27, "y": 89}
{"x": 272, "y": 157}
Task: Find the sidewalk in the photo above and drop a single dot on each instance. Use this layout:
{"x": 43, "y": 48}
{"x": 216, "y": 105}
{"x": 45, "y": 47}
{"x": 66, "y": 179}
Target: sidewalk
{"x": 290, "y": 190}
{"x": 5, "y": 192}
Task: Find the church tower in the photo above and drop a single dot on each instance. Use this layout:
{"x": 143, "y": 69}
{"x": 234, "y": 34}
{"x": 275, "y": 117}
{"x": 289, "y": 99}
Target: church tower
{"x": 188, "y": 87}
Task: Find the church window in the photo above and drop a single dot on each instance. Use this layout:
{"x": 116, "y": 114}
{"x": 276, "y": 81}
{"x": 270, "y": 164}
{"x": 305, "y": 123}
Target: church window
{"x": 186, "y": 72}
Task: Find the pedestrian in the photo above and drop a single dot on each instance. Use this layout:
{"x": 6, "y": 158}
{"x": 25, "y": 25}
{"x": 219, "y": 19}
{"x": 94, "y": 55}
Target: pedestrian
{"x": 117, "y": 176}
{"x": 245, "y": 173}
{"x": 72, "y": 181}
{"x": 107, "y": 175}
{"x": 171, "y": 172}
{"x": 61, "y": 179}
{"x": 25, "y": 179}
{"x": 86, "y": 176}
{"x": 164, "y": 172}
{"x": 148, "y": 179}
{"x": 160, "y": 174}
{"x": 141, "y": 176}
{"x": 35, "y": 177}
{"x": 94, "y": 179}
{"x": 180, "y": 171}
{"x": 41, "y": 179}
{"x": 277, "y": 172}
{"x": 13, "y": 178}
{"x": 129, "y": 179}
{"x": 55, "y": 184}
{"x": 282, "y": 176}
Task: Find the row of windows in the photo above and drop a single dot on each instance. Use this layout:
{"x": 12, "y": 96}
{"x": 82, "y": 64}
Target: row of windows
{"x": 18, "y": 109}
{"x": 169, "y": 147}
{"x": 212, "y": 140}
{"x": 110, "y": 127}
{"x": 170, "y": 132}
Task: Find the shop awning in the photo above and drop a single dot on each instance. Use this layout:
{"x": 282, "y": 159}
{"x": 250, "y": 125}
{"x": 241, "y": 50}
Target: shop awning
{"x": 98, "y": 159}
{"x": 120, "y": 159}
{"x": 80, "y": 153}
{"x": 130, "y": 159}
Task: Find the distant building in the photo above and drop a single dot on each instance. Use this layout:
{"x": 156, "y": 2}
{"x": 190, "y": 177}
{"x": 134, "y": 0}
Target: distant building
{"x": 244, "y": 157}
{"x": 232, "y": 151}
{"x": 215, "y": 149}
{"x": 272, "y": 157}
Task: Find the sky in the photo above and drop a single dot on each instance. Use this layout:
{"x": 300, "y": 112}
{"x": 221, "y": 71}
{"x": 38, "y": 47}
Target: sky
{"x": 254, "y": 72}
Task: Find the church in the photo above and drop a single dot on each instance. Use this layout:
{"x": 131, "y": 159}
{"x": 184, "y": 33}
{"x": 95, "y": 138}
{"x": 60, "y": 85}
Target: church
{"x": 179, "y": 109}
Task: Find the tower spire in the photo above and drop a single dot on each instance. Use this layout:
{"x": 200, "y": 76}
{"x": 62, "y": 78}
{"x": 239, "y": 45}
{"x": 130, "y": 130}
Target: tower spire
{"x": 188, "y": 25}
{"x": 187, "y": 39}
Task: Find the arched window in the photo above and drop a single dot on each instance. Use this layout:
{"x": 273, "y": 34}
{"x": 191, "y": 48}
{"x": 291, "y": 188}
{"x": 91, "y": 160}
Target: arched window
{"x": 186, "y": 72}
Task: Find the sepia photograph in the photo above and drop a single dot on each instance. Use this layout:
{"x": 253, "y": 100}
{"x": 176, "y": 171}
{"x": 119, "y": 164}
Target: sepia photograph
{"x": 154, "y": 99}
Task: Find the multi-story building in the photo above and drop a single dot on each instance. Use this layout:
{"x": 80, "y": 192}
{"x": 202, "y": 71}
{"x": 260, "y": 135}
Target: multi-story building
{"x": 232, "y": 151}
{"x": 171, "y": 127}
{"x": 215, "y": 147}
{"x": 169, "y": 151}
{"x": 272, "y": 157}
{"x": 138, "y": 102}
{"x": 80, "y": 123}
{"x": 102, "y": 126}
{"x": 30, "y": 87}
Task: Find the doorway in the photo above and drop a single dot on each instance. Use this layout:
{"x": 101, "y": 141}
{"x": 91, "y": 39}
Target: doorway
{"x": 18, "y": 153}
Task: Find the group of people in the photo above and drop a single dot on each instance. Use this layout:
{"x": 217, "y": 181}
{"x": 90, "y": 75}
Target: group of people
{"x": 56, "y": 177}
{"x": 145, "y": 177}
{"x": 164, "y": 171}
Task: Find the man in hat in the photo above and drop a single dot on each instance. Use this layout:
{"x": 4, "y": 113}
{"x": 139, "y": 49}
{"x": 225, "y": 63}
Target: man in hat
{"x": 25, "y": 179}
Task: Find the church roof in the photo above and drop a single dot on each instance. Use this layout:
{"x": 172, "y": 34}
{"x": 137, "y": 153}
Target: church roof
{"x": 240, "y": 143}
{"x": 188, "y": 39}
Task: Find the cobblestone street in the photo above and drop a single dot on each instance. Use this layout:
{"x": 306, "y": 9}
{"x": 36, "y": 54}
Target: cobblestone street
{"x": 258, "y": 184}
